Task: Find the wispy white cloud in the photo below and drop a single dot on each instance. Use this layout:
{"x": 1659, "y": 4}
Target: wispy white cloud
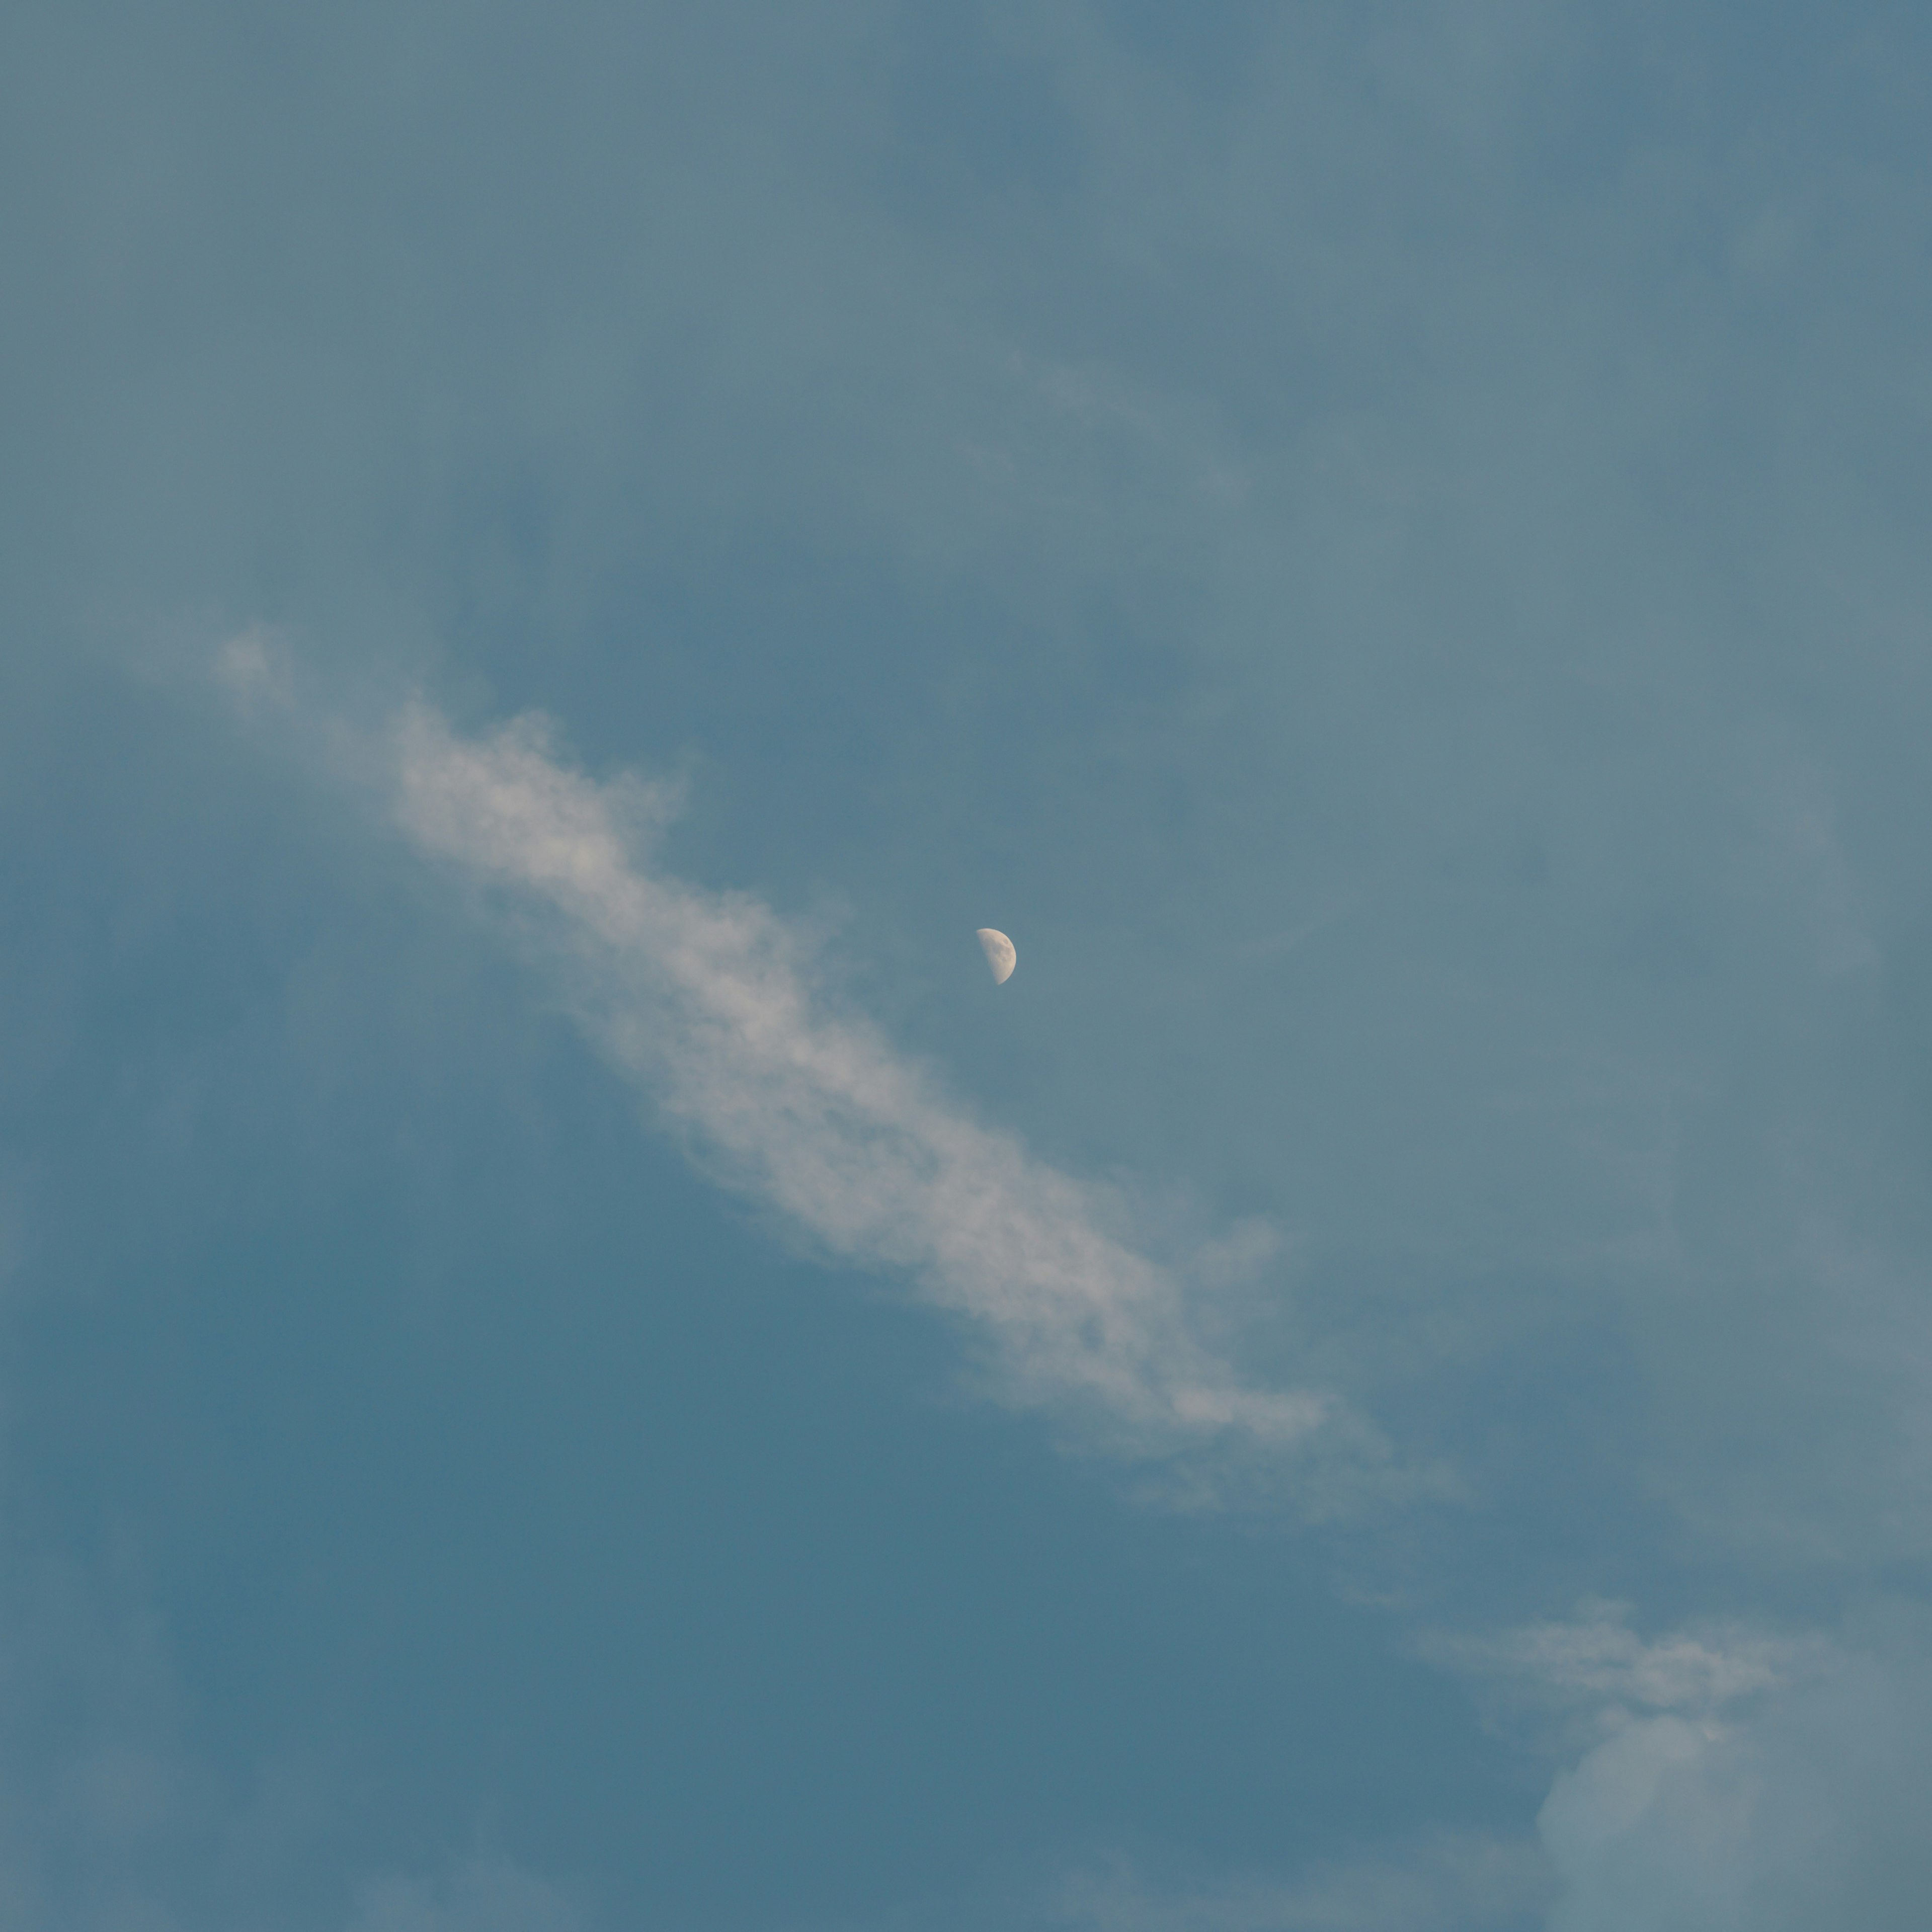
{"x": 708, "y": 1000}
{"x": 1597, "y": 1658}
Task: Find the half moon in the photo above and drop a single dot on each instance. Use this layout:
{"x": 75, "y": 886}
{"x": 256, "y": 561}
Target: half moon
{"x": 1000, "y": 955}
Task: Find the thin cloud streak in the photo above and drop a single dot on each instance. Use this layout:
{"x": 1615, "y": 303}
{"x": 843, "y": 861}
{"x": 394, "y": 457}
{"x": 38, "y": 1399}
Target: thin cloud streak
{"x": 705, "y": 1000}
{"x": 1600, "y": 1657}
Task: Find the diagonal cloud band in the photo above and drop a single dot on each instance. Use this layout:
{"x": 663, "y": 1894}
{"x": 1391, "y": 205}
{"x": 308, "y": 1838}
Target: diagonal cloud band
{"x": 705, "y": 999}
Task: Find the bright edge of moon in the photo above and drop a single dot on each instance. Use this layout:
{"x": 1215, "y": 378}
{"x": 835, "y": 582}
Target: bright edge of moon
{"x": 1000, "y": 955}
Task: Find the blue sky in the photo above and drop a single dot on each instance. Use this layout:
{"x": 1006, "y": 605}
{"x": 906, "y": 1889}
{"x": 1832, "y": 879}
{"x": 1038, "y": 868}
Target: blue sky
{"x": 570, "y": 1363}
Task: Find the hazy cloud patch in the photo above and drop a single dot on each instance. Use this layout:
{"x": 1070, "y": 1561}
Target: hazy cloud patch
{"x": 1809, "y": 1813}
{"x": 1723, "y": 1778}
{"x": 1598, "y": 1657}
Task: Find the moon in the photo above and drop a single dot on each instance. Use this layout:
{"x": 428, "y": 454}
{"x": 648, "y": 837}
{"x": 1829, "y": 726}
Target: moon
{"x": 1001, "y": 956}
